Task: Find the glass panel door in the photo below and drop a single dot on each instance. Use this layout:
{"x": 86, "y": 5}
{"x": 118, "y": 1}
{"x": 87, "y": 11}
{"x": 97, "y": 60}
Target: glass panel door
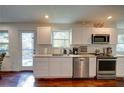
{"x": 27, "y": 49}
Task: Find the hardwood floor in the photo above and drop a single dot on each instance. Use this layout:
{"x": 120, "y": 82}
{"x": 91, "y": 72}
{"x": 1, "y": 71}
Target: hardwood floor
{"x": 26, "y": 79}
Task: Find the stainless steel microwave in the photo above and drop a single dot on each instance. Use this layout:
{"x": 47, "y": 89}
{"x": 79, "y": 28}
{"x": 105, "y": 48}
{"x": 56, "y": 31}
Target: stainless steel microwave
{"x": 100, "y": 38}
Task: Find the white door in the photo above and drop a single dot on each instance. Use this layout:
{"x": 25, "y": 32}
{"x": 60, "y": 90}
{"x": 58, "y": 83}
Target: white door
{"x": 27, "y": 40}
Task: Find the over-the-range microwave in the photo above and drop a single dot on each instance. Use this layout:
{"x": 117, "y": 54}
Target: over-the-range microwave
{"x": 100, "y": 38}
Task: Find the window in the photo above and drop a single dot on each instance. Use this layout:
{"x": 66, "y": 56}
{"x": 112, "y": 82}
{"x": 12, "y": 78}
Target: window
{"x": 61, "y": 39}
{"x": 120, "y": 45}
{"x": 4, "y": 41}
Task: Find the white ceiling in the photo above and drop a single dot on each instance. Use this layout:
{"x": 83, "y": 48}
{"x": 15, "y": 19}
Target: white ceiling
{"x": 60, "y": 13}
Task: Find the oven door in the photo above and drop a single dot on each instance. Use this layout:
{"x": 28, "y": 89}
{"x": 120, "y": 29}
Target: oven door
{"x": 106, "y": 66}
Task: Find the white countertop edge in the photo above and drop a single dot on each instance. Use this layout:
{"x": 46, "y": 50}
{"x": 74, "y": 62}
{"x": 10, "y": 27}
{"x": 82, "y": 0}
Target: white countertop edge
{"x": 66, "y": 56}
{"x": 119, "y": 56}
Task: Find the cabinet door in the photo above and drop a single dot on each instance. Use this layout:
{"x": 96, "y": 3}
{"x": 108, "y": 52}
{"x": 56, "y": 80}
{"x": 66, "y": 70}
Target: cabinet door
{"x": 40, "y": 67}
{"x": 92, "y": 67}
{"x": 66, "y": 67}
{"x": 120, "y": 67}
{"x": 44, "y": 35}
{"x": 54, "y": 67}
{"x": 86, "y": 35}
{"x": 77, "y": 36}
{"x": 60, "y": 67}
{"x": 81, "y": 35}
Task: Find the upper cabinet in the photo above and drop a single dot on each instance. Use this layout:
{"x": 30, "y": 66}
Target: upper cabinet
{"x": 43, "y": 35}
{"x": 77, "y": 35}
{"x": 82, "y": 35}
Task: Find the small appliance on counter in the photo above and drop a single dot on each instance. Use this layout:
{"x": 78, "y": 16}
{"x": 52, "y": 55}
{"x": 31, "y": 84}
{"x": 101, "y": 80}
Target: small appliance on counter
{"x": 75, "y": 51}
{"x": 97, "y": 52}
{"x": 67, "y": 51}
{"x": 82, "y": 49}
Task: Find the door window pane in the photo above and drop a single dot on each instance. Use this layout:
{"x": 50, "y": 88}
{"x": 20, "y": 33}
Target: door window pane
{"x": 27, "y": 49}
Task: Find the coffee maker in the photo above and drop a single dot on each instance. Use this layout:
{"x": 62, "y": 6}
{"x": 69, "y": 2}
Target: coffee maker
{"x": 75, "y": 51}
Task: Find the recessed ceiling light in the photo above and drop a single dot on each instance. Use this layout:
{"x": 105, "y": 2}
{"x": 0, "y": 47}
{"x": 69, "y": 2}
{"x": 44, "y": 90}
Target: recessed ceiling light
{"x": 109, "y": 17}
{"x": 46, "y": 16}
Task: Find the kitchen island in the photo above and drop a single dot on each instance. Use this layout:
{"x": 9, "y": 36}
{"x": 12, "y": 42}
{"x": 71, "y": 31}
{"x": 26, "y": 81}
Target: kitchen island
{"x": 49, "y": 66}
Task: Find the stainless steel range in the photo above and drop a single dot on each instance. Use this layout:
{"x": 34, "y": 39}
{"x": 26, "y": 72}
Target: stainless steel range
{"x": 106, "y": 67}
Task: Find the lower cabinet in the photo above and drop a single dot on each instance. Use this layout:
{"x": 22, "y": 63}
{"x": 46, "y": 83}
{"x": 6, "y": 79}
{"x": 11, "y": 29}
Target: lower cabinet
{"x": 40, "y": 67}
{"x": 92, "y": 67}
{"x": 53, "y": 67}
{"x": 120, "y": 67}
{"x": 60, "y": 67}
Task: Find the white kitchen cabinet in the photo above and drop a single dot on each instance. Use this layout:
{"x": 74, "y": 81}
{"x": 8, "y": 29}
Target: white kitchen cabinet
{"x": 66, "y": 67}
{"x": 82, "y": 35}
{"x": 92, "y": 67}
{"x": 60, "y": 67}
{"x": 86, "y": 37}
{"x": 52, "y": 67}
{"x": 77, "y": 36}
{"x": 113, "y": 36}
{"x": 41, "y": 67}
{"x": 43, "y": 35}
{"x": 120, "y": 67}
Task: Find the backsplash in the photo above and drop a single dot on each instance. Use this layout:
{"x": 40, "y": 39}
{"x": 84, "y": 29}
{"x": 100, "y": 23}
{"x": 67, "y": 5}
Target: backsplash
{"x": 90, "y": 48}
{"x": 40, "y": 49}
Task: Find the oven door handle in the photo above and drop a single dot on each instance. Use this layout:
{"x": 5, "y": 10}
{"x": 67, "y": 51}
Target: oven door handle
{"x": 107, "y": 59}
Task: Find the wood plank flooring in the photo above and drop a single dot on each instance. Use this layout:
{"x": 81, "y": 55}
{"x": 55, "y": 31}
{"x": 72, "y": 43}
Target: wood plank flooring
{"x": 26, "y": 79}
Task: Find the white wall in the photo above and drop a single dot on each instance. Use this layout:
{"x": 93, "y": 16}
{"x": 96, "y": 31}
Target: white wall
{"x": 13, "y": 61}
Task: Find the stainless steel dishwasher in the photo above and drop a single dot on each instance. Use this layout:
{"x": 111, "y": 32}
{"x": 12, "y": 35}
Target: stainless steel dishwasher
{"x": 80, "y": 67}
